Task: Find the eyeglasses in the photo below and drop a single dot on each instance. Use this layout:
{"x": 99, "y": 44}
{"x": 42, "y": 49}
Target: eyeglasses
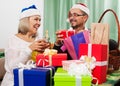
{"x": 75, "y": 15}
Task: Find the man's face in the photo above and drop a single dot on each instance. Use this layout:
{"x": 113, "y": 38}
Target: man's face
{"x": 77, "y": 18}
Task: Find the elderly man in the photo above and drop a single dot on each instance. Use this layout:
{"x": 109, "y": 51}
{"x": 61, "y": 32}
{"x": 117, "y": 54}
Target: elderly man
{"x": 77, "y": 17}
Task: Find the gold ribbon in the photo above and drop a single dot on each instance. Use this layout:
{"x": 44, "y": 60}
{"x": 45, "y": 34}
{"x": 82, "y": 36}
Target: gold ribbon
{"x": 49, "y": 53}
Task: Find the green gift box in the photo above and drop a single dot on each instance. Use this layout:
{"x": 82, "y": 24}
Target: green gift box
{"x": 62, "y": 78}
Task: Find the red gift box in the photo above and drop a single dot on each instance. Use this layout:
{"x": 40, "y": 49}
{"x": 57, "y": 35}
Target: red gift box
{"x": 100, "y": 52}
{"x": 67, "y": 33}
{"x": 53, "y": 60}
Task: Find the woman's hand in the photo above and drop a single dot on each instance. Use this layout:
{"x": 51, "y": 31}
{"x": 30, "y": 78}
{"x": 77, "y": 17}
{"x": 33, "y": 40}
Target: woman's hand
{"x": 39, "y": 45}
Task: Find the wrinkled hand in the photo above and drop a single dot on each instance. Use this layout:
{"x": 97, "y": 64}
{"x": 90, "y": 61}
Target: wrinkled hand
{"x": 39, "y": 45}
{"x": 59, "y": 37}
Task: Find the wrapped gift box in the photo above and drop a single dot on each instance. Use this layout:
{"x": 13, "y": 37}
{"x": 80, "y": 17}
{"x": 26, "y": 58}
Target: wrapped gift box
{"x": 54, "y": 60}
{"x": 33, "y": 77}
{"x": 100, "y": 52}
{"x": 67, "y": 33}
{"x": 34, "y": 54}
{"x": 66, "y": 63}
{"x": 62, "y": 78}
{"x": 71, "y": 44}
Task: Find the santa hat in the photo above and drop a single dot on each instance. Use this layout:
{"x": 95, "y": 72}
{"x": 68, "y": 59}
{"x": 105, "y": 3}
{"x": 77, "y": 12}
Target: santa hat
{"x": 30, "y": 11}
{"x": 82, "y": 7}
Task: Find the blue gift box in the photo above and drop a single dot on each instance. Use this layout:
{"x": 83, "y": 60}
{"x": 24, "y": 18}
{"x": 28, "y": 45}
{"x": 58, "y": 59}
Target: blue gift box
{"x": 34, "y": 77}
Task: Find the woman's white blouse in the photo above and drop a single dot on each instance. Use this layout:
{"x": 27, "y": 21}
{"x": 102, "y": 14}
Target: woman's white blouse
{"x": 17, "y": 51}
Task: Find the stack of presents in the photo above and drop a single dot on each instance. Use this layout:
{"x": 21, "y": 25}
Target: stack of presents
{"x": 88, "y": 67}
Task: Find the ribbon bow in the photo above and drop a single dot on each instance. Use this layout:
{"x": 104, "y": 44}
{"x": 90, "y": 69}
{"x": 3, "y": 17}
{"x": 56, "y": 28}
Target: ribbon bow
{"x": 48, "y": 52}
{"x": 43, "y": 59}
{"x": 78, "y": 70}
{"x": 90, "y": 61}
{"x": 30, "y": 64}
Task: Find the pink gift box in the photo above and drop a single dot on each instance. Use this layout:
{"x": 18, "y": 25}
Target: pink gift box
{"x": 66, "y": 63}
{"x": 100, "y": 52}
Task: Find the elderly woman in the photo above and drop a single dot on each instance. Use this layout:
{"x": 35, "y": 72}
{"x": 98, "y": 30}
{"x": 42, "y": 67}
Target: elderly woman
{"x": 21, "y": 45}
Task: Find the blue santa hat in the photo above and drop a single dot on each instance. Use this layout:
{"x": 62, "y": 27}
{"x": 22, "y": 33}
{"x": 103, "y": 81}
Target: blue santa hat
{"x": 29, "y": 11}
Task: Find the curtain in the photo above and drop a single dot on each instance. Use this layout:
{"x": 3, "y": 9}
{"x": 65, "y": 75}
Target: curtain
{"x": 56, "y": 12}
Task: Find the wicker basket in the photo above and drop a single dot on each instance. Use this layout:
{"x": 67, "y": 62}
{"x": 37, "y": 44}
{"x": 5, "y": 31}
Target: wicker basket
{"x": 114, "y": 55}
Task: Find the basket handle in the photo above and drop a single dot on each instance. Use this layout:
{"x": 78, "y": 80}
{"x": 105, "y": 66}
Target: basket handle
{"x": 117, "y": 21}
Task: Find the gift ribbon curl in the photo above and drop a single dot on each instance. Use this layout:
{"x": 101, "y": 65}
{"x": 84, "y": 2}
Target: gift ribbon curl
{"x": 30, "y": 64}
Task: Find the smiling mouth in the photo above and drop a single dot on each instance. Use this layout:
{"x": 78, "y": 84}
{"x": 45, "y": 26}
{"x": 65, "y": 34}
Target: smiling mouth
{"x": 36, "y": 27}
{"x": 72, "y": 20}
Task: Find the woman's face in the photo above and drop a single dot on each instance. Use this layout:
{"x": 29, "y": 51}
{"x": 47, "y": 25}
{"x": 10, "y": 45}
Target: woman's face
{"x": 34, "y": 23}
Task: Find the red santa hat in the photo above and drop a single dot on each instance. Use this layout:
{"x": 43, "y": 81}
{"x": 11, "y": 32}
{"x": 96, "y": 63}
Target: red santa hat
{"x": 30, "y": 11}
{"x": 82, "y": 7}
